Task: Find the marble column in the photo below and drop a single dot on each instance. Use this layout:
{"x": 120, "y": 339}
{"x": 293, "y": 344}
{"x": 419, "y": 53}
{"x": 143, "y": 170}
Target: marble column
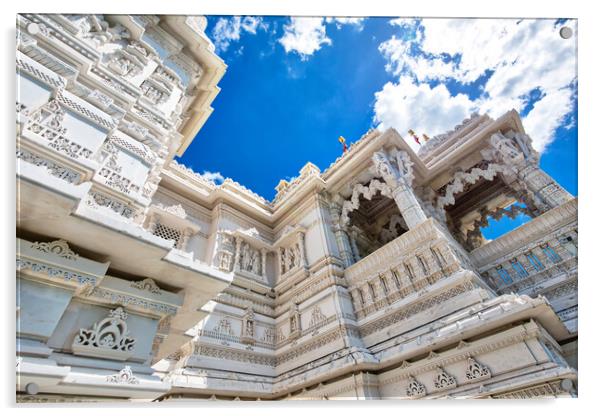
{"x": 263, "y": 263}
{"x": 185, "y": 237}
{"x": 341, "y": 237}
{"x": 237, "y": 254}
{"x": 408, "y": 205}
{"x": 543, "y": 186}
{"x": 354, "y": 249}
{"x": 279, "y": 261}
{"x": 301, "y": 242}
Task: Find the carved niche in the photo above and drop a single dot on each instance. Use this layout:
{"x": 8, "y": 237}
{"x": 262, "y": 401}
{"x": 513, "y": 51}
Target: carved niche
{"x": 294, "y": 322}
{"x": 250, "y": 259}
{"x": 225, "y": 252}
{"x": 248, "y": 327}
{"x": 108, "y": 338}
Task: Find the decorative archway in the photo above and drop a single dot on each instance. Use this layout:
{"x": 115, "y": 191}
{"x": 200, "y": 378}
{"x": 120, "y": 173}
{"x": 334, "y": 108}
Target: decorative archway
{"x": 374, "y": 187}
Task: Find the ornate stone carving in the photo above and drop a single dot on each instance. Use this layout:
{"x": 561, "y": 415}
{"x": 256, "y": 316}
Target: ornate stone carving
{"x": 107, "y": 338}
{"x": 375, "y": 186}
{"x": 176, "y": 210}
{"x": 476, "y": 370}
{"x": 58, "y": 247}
{"x": 55, "y": 272}
{"x": 55, "y": 169}
{"x": 444, "y": 380}
{"x": 461, "y": 179}
{"x": 224, "y": 327}
{"x": 147, "y": 284}
{"x": 317, "y": 317}
{"x": 394, "y": 228}
{"x": 248, "y": 327}
{"x": 250, "y": 259}
{"x": 294, "y": 319}
{"x": 47, "y": 122}
{"x": 415, "y": 389}
{"x": 99, "y": 200}
{"x": 125, "y": 376}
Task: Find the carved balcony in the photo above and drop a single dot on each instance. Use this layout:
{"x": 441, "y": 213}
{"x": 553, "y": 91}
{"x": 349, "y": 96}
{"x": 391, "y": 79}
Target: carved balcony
{"x": 537, "y": 258}
{"x": 413, "y": 261}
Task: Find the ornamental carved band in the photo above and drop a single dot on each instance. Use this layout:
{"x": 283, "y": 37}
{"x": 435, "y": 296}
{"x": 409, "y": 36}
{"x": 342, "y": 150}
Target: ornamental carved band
{"x": 108, "y": 338}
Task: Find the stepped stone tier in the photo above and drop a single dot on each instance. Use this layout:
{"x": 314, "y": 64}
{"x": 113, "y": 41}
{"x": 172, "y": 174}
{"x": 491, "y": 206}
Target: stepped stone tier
{"x": 139, "y": 279}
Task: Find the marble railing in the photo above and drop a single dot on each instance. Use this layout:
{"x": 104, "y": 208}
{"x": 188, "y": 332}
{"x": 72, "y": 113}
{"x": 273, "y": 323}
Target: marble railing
{"x": 414, "y": 260}
{"x": 533, "y": 257}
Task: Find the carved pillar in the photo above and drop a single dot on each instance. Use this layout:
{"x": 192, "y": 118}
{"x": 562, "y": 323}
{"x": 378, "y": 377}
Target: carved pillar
{"x": 237, "y": 254}
{"x": 354, "y": 249}
{"x": 279, "y": 260}
{"x": 408, "y": 205}
{"x": 344, "y": 246}
{"x": 543, "y": 186}
{"x": 341, "y": 237}
{"x": 152, "y": 222}
{"x": 301, "y": 242}
{"x": 263, "y": 262}
{"x": 396, "y": 170}
{"x": 248, "y": 327}
{"x": 184, "y": 239}
{"x": 294, "y": 322}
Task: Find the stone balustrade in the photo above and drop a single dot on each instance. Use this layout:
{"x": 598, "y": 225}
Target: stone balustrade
{"x": 541, "y": 250}
{"x": 411, "y": 262}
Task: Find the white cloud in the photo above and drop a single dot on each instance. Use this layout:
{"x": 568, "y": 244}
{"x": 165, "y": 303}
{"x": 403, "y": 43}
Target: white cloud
{"x": 304, "y": 35}
{"x": 407, "y": 105}
{"x": 357, "y": 22}
{"x": 228, "y": 30}
{"x": 522, "y": 55}
{"x": 214, "y": 177}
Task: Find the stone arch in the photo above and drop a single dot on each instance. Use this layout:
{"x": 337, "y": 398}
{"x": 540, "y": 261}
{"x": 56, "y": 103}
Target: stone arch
{"x": 461, "y": 179}
{"x": 375, "y": 186}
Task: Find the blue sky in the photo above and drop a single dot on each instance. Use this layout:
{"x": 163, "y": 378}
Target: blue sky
{"x": 294, "y": 85}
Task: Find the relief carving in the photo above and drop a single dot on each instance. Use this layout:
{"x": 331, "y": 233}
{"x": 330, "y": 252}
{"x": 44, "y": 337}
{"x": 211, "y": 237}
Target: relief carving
{"x": 108, "y": 337}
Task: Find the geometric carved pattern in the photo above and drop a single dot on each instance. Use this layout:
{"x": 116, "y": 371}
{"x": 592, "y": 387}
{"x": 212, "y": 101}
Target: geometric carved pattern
{"x": 167, "y": 233}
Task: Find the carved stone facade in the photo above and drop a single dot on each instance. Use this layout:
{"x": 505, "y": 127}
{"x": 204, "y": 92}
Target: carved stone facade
{"x": 368, "y": 280}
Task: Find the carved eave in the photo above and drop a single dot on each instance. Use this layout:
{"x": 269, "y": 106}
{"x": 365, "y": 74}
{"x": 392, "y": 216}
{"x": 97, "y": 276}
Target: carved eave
{"x": 40, "y": 262}
{"x": 337, "y": 178}
{"x": 170, "y": 216}
{"x": 289, "y": 236}
{"x": 458, "y": 151}
{"x": 254, "y": 241}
